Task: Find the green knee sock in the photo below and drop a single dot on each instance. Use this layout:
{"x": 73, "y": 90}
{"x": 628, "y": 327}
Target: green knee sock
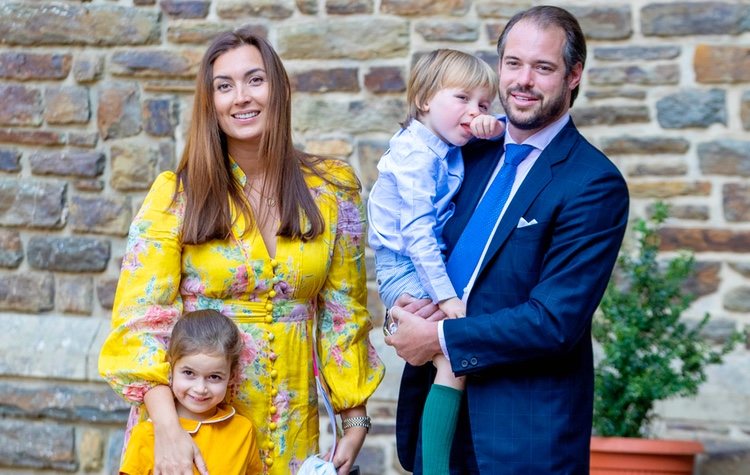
{"x": 438, "y": 426}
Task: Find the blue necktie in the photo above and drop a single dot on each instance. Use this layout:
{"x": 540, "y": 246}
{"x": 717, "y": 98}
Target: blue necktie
{"x": 465, "y": 256}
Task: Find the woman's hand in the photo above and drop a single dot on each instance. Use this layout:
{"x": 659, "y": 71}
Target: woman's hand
{"x": 347, "y": 449}
{"x": 175, "y": 453}
{"x": 349, "y": 445}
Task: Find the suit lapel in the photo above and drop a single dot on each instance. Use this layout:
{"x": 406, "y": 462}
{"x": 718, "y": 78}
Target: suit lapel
{"x": 537, "y": 179}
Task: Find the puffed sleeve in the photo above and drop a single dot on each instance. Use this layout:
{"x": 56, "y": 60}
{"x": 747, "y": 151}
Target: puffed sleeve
{"x": 147, "y": 301}
{"x": 350, "y": 365}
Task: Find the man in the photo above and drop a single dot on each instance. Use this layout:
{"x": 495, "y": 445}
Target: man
{"x": 525, "y": 343}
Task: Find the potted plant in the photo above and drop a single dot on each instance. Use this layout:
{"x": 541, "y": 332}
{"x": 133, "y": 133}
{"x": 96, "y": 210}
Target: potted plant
{"x": 649, "y": 354}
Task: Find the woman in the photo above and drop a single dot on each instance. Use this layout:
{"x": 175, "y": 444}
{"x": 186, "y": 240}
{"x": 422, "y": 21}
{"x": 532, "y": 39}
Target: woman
{"x": 265, "y": 234}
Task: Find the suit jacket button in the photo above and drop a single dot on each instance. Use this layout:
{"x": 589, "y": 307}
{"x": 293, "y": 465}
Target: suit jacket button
{"x": 473, "y": 361}
{"x": 464, "y": 363}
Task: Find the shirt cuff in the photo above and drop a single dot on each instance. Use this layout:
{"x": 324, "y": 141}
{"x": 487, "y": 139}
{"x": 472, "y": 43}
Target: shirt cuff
{"x": 441, "y": 339}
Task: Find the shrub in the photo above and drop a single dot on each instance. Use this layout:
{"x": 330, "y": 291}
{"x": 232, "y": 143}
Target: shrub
{"x": 650, "y": 354}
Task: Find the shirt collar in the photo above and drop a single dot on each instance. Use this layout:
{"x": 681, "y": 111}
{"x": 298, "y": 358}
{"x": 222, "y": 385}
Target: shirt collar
{"x": 541, "y": 139}
{"x": 428, "y": 137}
{"x": 223, "y": 413}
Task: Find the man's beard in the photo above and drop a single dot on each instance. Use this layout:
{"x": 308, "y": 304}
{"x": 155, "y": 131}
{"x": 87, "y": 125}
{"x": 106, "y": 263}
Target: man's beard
{"x": 545, "y": 115}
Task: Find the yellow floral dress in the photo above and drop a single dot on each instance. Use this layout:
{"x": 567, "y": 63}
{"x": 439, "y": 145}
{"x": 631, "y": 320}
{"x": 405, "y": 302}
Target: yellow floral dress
{"x": 276, "y": 302}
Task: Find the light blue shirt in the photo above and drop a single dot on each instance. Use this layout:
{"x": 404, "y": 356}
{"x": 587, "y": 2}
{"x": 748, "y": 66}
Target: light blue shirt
{"x": 410, "y": 203}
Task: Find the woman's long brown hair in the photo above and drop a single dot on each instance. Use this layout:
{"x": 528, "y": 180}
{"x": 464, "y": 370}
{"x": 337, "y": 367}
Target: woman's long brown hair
{"x": 205, "y": 171}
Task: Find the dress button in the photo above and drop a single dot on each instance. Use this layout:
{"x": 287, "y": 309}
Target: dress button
{"x": 274, "y": 374}
{"x": 272, "y": 357}
{"x": 272, "y": 410}
{"x": 274, "y": 262}
{"x": 272, "y": 293}
{"x": 271, "y": 337}
{"x": 274, "y": 392}
{"x": 464, "y": 363}
{"x": 269, "y": 461}
{"x": 473, "y": 361}
{"x": 270, "y": 445}
{"x": 272, "y": 426}
{"x": 268, "y": 319}
{"x": 269, "y": 306}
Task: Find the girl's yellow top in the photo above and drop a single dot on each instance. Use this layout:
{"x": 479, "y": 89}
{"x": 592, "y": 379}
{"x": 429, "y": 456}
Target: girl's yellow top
{"x": 315, "y": 288}
{"x": 226, "y": 441}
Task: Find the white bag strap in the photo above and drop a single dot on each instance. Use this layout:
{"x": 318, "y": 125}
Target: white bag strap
{"x": 326, "y": 399}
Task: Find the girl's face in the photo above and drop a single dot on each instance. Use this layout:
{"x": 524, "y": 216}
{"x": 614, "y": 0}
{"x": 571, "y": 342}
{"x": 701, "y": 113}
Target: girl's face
{"x": 448, "y": 114}
{"x": 240, "y": 92}
{"x": 199, "y": 384}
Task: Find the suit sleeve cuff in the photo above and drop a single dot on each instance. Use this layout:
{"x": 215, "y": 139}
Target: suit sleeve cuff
{"x": 441, "y": 339}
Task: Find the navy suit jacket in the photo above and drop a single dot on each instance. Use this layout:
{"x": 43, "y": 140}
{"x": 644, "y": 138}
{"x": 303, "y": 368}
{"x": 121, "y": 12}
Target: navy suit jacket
{"x": 525, "y": 344}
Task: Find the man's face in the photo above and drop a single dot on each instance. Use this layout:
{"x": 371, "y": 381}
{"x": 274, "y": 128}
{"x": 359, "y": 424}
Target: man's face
{"x": 534, "y": 88}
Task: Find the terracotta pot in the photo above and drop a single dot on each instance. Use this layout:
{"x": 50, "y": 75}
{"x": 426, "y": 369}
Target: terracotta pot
{"x": 631, "y": 456}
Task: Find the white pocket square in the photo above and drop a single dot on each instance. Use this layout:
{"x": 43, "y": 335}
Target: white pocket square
{"x": 522, "y": 223}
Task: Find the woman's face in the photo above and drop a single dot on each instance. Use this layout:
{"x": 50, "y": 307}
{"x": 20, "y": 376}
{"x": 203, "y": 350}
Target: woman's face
{"x": 240, "y": 91}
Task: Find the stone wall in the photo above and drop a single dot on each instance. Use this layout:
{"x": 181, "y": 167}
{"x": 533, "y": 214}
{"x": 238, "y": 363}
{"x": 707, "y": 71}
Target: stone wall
{"x": 94, "y": 100}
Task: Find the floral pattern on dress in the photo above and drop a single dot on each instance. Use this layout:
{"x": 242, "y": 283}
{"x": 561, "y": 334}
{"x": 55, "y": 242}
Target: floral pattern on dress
{"x": 314, "y": 288}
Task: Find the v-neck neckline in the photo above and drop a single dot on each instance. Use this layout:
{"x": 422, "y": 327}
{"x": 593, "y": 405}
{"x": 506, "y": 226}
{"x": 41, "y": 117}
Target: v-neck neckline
{"x": 240, "y": 224}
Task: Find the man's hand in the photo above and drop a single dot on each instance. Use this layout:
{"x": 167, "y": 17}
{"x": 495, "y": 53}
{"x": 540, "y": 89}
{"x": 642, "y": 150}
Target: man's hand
{"x": 416, "y": 340}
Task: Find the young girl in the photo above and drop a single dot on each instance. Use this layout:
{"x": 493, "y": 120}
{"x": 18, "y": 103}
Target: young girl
{"x": 449, "y": 97}
{"x": 204, "y": 353}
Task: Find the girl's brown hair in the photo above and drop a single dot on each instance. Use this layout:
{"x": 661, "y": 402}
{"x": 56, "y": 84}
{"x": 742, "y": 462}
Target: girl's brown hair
{"x": 205, "y": 331}
{"x": 205, "y": 173}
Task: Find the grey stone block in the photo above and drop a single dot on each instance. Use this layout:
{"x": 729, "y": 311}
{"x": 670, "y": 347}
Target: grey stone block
{"x": 724, "y": 458}
{"x": 693, "y": 108}
{"x": 68, "y": 254}
{"x": 37, "y": 445}
{"x": 47, "y": 346}
{"x": 27, "y": 292}
{"x": 64, "y": 402}
{"x": 73, "y": 163}
{"x": 32, "y": 203}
